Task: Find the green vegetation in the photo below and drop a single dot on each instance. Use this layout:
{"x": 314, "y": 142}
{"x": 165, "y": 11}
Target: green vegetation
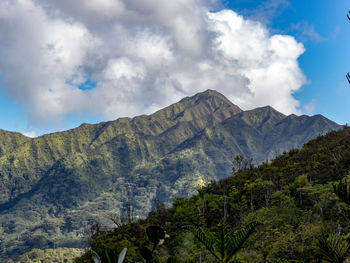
{"x": 58, "y": 255}
{"x": 297, "y": 198}
{"x": 226, "y": 245}
{"x": 342, "y": 190}
{"x": 156, "y": 235}
{"x": 53, "y": 187}
{"x": 332, "y": 249}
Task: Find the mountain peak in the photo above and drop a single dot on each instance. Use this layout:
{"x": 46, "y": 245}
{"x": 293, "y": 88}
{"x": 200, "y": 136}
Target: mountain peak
{"x": 269, "y": 110}
{"x": 213, "y": 95}
{"x": 261, "y": 116}
{"x": 199, "y": 105}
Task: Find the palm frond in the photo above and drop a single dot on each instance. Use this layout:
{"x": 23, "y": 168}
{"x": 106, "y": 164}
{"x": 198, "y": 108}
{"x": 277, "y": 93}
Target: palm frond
{"x": 96, "y": 257}
{"x": 235, "y": 242}
{"x": 341, "y": 189}
{"x": 332, "y": 248}
{"x": 226, "y": 244}
{"x": 205, "y": 237}
{"x": 122, "y": 255}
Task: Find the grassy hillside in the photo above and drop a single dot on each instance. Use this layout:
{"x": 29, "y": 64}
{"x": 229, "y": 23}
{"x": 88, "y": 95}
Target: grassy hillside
{"x": 10, "y": 141}
{"x": 292, "y": 196}
{"x": 58, "y": 255}
{"x": 54, "y": 186}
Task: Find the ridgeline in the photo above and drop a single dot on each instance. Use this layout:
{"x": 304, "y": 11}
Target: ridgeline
{"x": 53, "y": 187}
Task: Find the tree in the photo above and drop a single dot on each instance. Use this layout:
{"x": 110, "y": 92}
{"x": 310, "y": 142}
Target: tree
{"x": 242, "y": 163}
{"x": 225, "y": 245}
{"x": 238, "y": 161}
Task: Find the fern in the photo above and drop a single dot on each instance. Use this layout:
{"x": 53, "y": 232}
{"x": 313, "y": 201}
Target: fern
{"x": 235, "y": 242}
{"x": 205, "y": 237}
{"x": 225, "y": 245}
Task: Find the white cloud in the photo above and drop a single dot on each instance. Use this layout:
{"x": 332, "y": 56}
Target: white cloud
{"x": 142, "y": 55}
{"x": 30, "y": 134}
{"x": 310, "y": 107}
{"x": 40, "y": 56}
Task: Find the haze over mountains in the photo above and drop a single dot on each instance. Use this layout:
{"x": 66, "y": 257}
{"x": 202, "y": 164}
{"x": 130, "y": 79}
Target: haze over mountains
{"x": 53, "y": 186}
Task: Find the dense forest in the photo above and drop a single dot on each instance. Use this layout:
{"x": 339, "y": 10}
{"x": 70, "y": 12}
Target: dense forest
{"x": 300, "y": 199}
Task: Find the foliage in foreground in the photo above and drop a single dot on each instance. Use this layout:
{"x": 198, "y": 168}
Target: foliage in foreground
{"x": 332, "y": 249}
{"x": 225, "y": 245}
{"x": 110, "y": 255}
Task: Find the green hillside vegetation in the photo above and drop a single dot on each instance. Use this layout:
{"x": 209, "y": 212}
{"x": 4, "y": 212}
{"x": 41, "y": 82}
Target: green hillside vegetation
{"x": 9, "y": 141}
{"x": 301, "y": 198}
{"x": 58, "y": 255}
{"x": 54, "y": 186}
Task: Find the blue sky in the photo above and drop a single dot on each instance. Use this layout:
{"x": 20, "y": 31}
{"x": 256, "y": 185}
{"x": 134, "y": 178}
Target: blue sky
{"x": 36, "y": 102}
{"x": 327, "y": 56}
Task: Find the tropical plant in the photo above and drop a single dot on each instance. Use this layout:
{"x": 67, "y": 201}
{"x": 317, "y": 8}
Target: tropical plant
{"x": 332, "y": 248}
{"x": 341, "y": 189}
{"x": 110, "y": 255}
{"x": 225, "y": 245}
{"x": 156, "y": 235}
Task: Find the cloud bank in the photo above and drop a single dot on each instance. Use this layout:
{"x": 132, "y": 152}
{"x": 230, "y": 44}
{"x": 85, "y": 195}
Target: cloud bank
{"x": 141, "y": 55}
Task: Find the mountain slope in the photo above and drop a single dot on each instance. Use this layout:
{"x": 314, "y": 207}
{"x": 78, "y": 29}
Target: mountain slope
{"x": 26, "y": 163}
{"x": 53, "y": 186}
{"x": 293, "y": 197}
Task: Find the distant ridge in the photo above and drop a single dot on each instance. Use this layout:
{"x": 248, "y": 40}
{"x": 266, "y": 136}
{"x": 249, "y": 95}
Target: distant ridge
{"x": 53, "y": 186}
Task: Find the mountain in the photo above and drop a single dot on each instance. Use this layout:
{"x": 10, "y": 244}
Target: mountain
{"x": 54, "y": 186}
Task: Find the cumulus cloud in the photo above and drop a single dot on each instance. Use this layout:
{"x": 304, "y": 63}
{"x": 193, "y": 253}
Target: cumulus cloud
{"x": 142, "y": 55}
{"x": 41, "y": 58}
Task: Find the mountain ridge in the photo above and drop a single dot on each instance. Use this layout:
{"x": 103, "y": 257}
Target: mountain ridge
{"x": 66, "y": 180}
